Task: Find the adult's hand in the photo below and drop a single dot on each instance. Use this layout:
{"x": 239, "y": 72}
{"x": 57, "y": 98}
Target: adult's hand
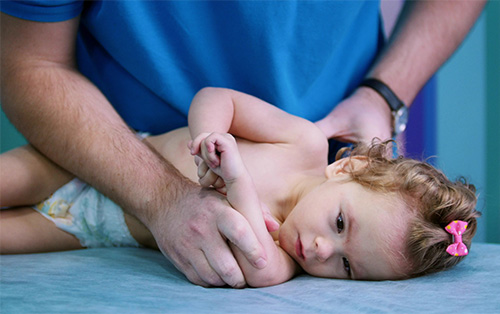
{"x": 194, "y": 232}
{"x": 426, "y": 34}
{"x": 359, "y": 118}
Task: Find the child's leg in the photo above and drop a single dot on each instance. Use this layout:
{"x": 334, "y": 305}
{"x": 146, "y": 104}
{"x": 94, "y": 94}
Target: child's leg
{"x": 23, "y": 230}
{"x": 27, "y": 177}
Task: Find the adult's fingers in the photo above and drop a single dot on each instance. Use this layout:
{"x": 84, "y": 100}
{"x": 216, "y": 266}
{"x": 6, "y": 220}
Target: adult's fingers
{"x": 212, "y": 264}
{"x": 237, "y": 230}
{"x": 223, "y": 262}
{"x": 205, "y": 273}
{"x": 197, "y": 270}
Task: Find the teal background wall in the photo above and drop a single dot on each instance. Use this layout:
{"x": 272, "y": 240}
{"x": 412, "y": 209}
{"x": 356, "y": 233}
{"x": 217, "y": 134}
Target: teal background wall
{"x": 468, "y": 112}
{"x": 9, "y": 136}
{"x": 467, "y": 118}
{"x": 492, "y": 193}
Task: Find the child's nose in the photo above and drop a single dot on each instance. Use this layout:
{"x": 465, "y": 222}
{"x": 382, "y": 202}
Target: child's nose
{"x": 324, "y": 249}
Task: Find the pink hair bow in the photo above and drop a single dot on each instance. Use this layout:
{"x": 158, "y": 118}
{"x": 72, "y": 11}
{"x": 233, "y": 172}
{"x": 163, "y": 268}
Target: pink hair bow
{"x": 457, "y": 228}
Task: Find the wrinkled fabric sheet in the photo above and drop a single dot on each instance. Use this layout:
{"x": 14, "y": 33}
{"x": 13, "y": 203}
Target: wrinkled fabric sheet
{"x": 130, "y": 280}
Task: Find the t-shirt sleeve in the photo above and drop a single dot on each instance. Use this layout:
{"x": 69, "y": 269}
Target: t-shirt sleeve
{"x": 43, "y": 10}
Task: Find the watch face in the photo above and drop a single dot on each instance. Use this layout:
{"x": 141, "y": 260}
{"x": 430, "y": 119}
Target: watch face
{"x": 400, "y": 120}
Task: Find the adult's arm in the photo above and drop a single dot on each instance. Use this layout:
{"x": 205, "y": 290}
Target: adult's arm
{"x": 426, "y": 35}
{"x": 70, "y": 121}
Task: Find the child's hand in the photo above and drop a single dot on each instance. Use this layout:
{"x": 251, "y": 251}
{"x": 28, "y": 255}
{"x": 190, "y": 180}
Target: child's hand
{"x": 220, "y": 154}
{"x": 207, "y": 178}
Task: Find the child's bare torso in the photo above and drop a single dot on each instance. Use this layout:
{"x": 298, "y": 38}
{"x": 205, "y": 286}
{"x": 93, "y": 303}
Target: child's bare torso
{"x": 275, "y": 168}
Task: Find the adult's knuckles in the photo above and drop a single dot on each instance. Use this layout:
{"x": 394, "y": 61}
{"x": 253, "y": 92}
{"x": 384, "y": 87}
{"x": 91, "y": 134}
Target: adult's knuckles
{"x": 196, "y": 228}
{"x": 239, "y": 233}
{"x": 227, "y": 269}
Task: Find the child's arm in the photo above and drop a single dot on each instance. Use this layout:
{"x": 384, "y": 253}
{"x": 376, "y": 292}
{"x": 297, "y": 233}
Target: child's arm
{"x": 228, "y": 111}
{"x": 221, "y": 154}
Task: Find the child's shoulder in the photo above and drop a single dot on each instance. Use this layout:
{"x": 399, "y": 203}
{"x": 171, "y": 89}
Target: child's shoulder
{"x": 311, "y": 138}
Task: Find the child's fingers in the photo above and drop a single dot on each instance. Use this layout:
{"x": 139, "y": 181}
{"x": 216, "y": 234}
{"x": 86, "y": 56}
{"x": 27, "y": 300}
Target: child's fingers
{"x": 270, "y": 221}
{"x": 225, "y": 143}
{"x": 202, "y": 168}
{"x": 209, "y": 179}
{"x": 214, "y": 146}
{"x": 197, "y": 160}
{"x": 194, "y": 145}
{"x": 209, "y": 153}
{"x": 219, "y": 183}
{"x": 222, "y": 190}
{"x": 193, "y": 148}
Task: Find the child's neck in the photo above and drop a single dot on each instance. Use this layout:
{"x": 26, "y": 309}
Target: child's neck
{"x": 301, "y": 187}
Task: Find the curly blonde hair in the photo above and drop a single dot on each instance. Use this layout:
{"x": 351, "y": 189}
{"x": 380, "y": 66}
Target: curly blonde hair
{"x": 433, "y": 200}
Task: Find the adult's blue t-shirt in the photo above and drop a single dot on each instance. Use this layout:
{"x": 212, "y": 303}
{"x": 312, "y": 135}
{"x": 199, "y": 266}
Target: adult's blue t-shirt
{"x": 149, "y": 58}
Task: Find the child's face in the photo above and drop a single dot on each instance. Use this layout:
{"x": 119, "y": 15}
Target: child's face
{"x": 343, "y": 230}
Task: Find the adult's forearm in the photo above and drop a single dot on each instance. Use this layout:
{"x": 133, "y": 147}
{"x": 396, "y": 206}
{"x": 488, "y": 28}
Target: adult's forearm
{"x": 426, "y": 35}
{"x": 69, "y": 120}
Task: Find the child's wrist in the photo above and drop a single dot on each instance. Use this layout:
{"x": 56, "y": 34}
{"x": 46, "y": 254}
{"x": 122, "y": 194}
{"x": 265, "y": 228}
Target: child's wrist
{"x": 241, "y": 179}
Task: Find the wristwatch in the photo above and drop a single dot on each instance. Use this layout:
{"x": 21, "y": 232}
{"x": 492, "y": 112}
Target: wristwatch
{"x": 398, "y": 108}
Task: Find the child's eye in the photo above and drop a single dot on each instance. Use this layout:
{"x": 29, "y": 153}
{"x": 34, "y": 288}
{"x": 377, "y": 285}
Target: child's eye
{"x": 340, "y": 223}
{"x": 347, "y": 266}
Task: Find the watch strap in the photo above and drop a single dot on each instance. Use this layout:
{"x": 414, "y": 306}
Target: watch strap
{"x": 383, "y": 90}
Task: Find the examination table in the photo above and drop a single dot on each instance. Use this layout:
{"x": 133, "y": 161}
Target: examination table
{"x": 128, "y": 280}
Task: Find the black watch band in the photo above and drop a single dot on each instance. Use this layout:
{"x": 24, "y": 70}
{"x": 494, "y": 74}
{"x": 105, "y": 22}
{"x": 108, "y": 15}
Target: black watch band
{"x": 398, "y": 109}
{"x": 380, "y": 87}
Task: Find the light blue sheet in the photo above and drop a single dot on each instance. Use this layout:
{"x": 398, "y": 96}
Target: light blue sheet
{"x": 128, "y": 280}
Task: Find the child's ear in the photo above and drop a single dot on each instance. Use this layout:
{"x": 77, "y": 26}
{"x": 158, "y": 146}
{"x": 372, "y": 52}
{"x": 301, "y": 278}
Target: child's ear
{"x": 342, "y": 166}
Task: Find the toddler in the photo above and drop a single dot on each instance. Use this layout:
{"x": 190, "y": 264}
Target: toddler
{"x": 365, "y": 216}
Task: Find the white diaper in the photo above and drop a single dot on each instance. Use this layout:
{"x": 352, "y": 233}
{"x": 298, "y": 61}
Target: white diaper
{"x": 93, "y": 218}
